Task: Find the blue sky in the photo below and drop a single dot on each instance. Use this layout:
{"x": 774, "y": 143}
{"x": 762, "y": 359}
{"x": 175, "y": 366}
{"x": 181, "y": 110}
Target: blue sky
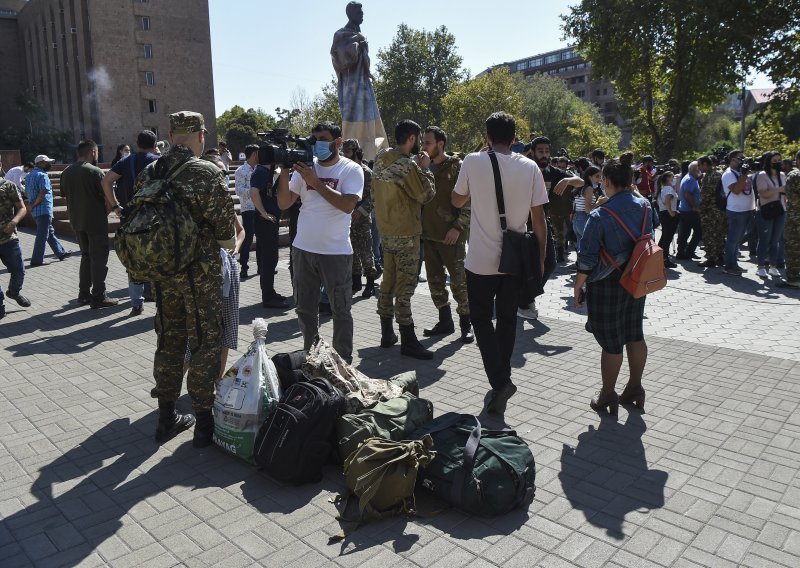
{"x": 264, "y": 50}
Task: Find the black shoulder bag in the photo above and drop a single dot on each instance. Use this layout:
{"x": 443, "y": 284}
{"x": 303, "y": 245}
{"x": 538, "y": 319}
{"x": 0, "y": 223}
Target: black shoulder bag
{"x": 520, "y": 251}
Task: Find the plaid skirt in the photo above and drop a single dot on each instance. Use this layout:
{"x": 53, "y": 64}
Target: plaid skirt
{"x": 615, "y": 317}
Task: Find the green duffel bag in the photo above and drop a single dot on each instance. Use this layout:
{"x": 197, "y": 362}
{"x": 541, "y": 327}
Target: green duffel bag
{"x": 393, "y": 419}
{"x": 483, "y": 472}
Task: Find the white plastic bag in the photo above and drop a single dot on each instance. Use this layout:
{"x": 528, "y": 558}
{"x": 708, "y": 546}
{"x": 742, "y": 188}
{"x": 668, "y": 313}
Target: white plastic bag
{"x": 246, "y": 395}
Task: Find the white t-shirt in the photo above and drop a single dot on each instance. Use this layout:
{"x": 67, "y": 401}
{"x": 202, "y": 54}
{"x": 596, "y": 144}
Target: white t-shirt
{"x": 15, "y": 175}
{"x": 523, "y": 188}
{"x": 665, "y": 191}
{"x": 745, "y": 201}
{"x": 321, "y": 227}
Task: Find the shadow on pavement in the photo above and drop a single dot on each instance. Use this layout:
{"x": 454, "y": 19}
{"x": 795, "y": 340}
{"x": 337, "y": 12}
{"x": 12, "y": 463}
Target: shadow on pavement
{"x": 606, "y": 475}
{"x": 524, "y": 346}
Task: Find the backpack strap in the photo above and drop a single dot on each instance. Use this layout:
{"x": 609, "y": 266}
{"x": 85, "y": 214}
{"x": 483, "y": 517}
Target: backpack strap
{"x": 498, "y": 191}
{"x": 470, "y": 449}
{"x": 603, "y": 253}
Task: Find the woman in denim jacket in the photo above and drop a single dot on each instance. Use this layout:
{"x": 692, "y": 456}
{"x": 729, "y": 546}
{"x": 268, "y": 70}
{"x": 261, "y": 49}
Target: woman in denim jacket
{"x": 615, "y": 317}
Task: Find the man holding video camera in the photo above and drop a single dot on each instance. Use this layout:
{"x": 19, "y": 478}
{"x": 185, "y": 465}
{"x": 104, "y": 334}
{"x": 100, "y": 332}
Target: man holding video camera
{"x": 322, "y": 254}
{"x": 740, "y": 208}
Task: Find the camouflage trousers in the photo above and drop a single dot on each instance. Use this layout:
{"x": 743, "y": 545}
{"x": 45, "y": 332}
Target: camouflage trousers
{"x": 188, "y": 309}
{"x": 439, "y": 256}
{"x": 400, "y": 265}
{"x": 715, "y": 229}
{"x": 361, "y": 238}
{"x": 559, "y": 224}
{"x": 791, "y": 237}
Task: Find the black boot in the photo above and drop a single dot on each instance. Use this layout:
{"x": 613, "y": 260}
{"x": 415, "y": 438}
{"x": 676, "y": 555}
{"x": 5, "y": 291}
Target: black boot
{"x": 171, "y": 422}
{"x": 357, "y": 284}
{"x": 388, "y": 336}
{"x": 410, "y": 345}
{"x": 203, "y": 430}
{"x": 444, "y": 326}
{"x": 560, "y": 255}
{"x": 466, "y": 329}
{"x": 369, "y": 289}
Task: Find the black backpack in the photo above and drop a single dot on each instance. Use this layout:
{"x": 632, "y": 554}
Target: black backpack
{"x": 295, "y": 441}
{"x": 720, "y": 198}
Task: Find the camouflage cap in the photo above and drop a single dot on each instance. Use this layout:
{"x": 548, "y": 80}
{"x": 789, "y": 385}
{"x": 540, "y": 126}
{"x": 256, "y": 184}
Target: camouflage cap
{"x": 186, "y": 122}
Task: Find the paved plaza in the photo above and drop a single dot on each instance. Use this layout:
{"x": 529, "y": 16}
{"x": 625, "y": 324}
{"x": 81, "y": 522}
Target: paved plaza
{"x": 708, "y": 476}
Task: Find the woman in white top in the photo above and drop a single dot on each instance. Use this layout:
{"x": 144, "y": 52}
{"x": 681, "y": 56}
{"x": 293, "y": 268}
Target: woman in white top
{"x": 585, "y": 201}
{"x": 772, "y": 213}
{"x": 668, "y": 213}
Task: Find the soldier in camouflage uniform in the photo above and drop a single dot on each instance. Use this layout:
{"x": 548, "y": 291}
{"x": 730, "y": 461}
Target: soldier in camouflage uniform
{"x": 401, "y": 184}
{"x": 189, "y": 306}
{"x": 713, "y": 220}
{"x": 12, "y": 212}
{"x": 360, "y": 226}
{"x": 791, "y": 231}
{"x": 445, "y": 230}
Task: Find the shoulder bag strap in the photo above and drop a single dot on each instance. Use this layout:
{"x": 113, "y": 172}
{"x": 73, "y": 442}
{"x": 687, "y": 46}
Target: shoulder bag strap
{"x": 470, "y": 449}
{"x": 498, "y": 191}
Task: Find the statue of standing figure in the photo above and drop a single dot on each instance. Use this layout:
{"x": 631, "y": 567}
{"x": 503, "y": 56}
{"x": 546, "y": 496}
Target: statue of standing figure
{"x": 360, "y": 116}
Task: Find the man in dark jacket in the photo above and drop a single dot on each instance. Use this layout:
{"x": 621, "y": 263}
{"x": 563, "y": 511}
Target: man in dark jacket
{"x": 81, "y": 184}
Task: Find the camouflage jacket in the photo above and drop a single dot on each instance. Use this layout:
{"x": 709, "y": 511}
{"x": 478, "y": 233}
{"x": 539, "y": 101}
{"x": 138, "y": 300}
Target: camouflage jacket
{"x": 205, "y": 189}
{"x": 439, "y": 215}
{"x": 399, "y": 189}
{"x": 708, "y": 192}
{"x": 9, "y": 197}
{"x": 792, "y": 189}
{"x": 365, "y": 206}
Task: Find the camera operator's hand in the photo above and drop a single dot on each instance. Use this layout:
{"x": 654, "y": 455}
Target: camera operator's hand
{"x": 308, "y": 174}
{"x": 423, "y": 160}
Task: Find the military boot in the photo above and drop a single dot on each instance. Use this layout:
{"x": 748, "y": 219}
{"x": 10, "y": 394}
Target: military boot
{"x": 388, "y": 336}
{"x": 444, "y": 326}
{"x": 204, "y": 429}
{"x": 357, "y": 284}
{"x": 369, "y": 289}
{"x": 466, "y": 329}
{"x": 171, "y": 422}
{"x": 410, "y": 345}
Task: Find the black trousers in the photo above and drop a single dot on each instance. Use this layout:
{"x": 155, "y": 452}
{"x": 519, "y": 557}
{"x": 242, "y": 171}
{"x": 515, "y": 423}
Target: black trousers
{"x": 249, "y": 224}
{"x": 267, "y": 250}
{"x": 669, "y": 226}
{"x": 94, "y": 263}
{"x": 690, "y": 223}
{"x": 498, "y": 293}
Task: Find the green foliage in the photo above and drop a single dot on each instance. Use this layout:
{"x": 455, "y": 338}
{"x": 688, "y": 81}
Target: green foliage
{"x": 677, "y": 60}
{"x": 39, "y": 137}
{"x": 306, "y": 111}
{"x": 468, "y": 104}
{"x": 778, "y": 52}
{"x": 586, "y": 131}
{"x": 238, "y": 127}
{"x": 414, "y": 74}
{"x": 768, "y": 135}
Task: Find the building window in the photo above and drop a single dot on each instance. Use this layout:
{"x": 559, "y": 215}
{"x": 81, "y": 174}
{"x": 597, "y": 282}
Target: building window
{"x": 597, "y": 93}
{"x": 145, "y": 21}
{"x": 151, "y": 105}
{"x": 580, "y": 94}
{"x": 149, "y": 78}
{"x": 536, "y": 62}
{"x": 552, "y": 58}
{"x": 148, "y": 51}
{"x": 522, "y": 65}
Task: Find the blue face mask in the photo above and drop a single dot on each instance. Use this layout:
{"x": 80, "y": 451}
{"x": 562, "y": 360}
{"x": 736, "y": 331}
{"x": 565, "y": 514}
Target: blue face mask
{"x": 322, "y": 150}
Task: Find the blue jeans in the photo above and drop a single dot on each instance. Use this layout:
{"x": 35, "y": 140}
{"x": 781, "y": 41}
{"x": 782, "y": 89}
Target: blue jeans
{"x": 11, "y": 257}
{"x": 137, "y": 290}
{"x": 45, "y": 232}
{"x": 738, "y": 224}
{"x": 770, "y": 232}
{"x": 579, "y": 225}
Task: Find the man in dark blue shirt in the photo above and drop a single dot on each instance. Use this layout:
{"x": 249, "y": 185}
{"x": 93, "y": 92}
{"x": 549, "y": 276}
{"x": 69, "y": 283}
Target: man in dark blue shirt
{"x": 124, "y": 174}
{"x": 689, "y": 197}
{"x": 262, "y": 191}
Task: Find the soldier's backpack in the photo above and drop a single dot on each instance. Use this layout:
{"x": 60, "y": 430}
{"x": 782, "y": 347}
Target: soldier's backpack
{"x": 382, "y": 474}
{"x": 295, "y": 441}
{"x": 484, "y": 472}
{"x": 394, "y": 419}
{"x": 645, "y": 271}
{"x": 158, "y": 237}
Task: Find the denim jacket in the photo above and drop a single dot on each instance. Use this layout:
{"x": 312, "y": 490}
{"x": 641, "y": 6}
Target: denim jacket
{"x": 604, "y": 232}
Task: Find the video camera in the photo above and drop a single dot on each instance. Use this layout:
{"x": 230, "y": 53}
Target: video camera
{"x": 274, "y": 148}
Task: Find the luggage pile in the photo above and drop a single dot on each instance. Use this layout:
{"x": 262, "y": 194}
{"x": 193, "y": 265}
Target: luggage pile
{"x": 295, "y": 413}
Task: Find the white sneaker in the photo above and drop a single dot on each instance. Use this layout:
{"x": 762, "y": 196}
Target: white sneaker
{"x": 530, "y": 312}
{"x": 774, "y": 272}
{"x": 762, "y": 272}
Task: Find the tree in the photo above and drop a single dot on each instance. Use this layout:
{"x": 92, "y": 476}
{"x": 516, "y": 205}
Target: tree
{"x": 548, "y": 107}
{"x": 768, "y": 135}
{"x": 309, "y": 111}
{"x": 586, "y": 131}
{"x": 678, "y": 59}
{"x": 468, "y": 104}
{"x": 413, "y": 75}
{"x": 39, "y": 137}
{"x": 779, "y": 53}
{"x": 239, "y": 127}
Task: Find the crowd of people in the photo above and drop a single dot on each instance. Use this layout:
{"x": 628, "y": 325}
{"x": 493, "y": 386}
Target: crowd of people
{"x": 418, "y": 202}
